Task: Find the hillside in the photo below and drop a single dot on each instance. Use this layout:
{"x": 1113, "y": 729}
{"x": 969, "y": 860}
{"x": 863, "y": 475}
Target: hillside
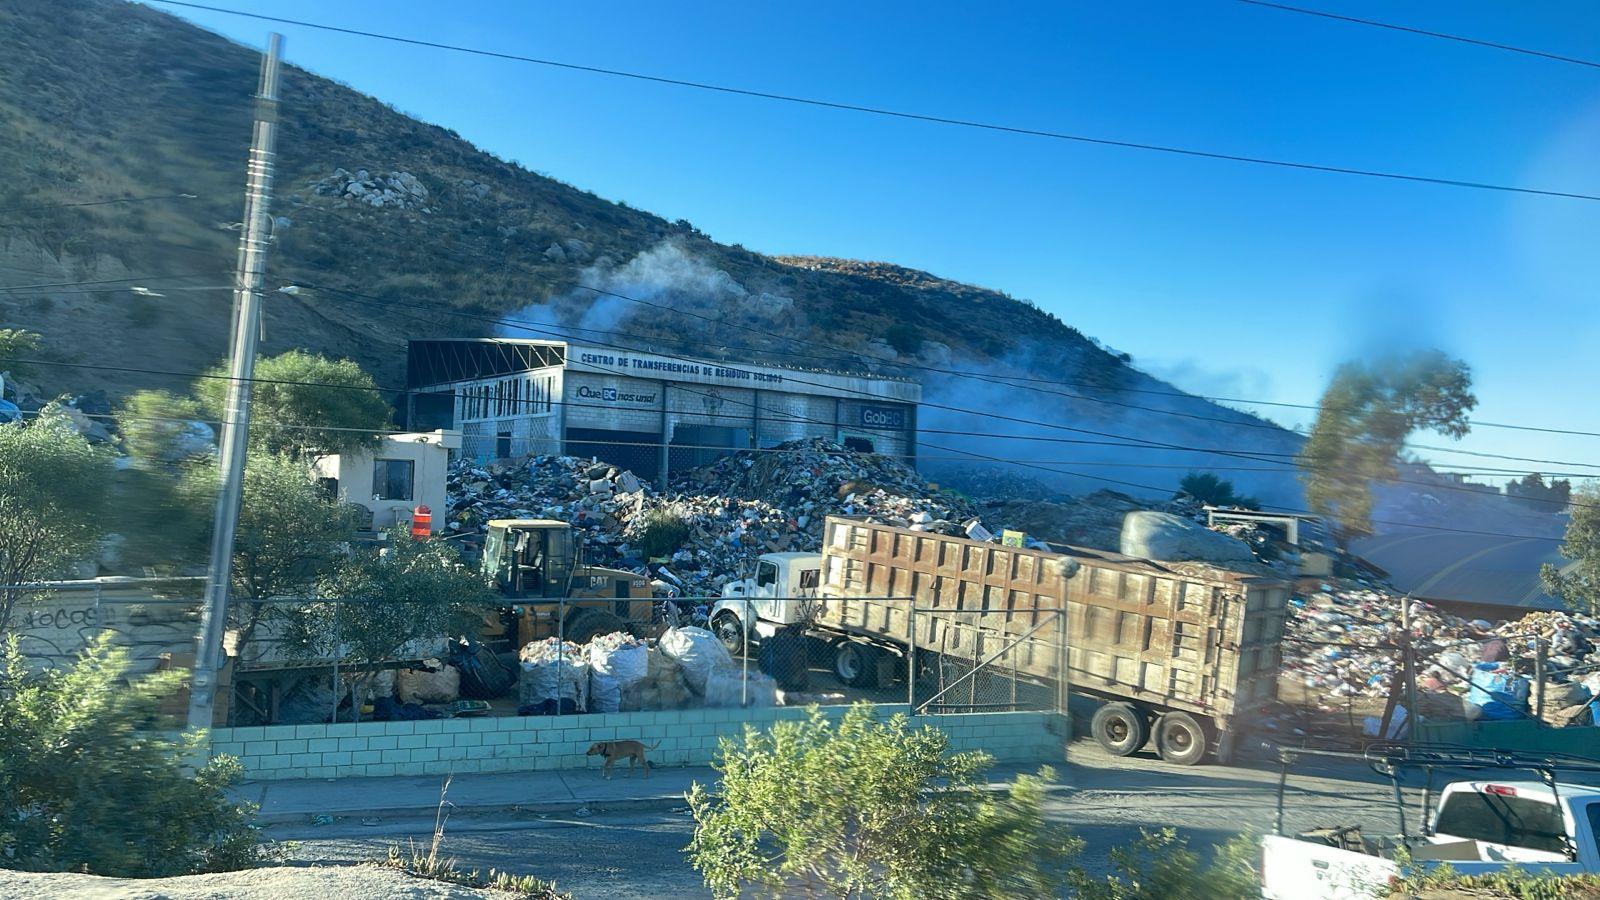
{"x": 102, "y": 98}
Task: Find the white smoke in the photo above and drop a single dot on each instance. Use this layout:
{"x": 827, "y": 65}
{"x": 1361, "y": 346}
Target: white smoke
{"x": 666, "y": 275}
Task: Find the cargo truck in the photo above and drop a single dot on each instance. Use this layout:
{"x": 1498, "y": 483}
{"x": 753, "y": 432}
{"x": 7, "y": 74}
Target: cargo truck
{"x": 1176, "y": 653}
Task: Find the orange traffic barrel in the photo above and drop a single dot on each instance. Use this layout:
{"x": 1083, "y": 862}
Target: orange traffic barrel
{"x": 421, "y": 522}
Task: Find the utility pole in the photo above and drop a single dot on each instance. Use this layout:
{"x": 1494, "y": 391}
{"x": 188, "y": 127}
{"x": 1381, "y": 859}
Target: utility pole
{"x": 236, "y": 419}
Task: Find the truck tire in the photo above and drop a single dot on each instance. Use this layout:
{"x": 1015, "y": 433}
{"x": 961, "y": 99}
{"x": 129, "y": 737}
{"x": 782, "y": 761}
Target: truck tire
{"x": 1120, "y": 728}
{"x": 730, "y": 631}
{"x": 856, "y": 664}
{"x": 585, "y": 625}
{"x": 1180, "y": 739}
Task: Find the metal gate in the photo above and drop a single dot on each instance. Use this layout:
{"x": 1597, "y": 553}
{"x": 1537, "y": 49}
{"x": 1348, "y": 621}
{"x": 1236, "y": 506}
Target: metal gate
{"x": 969, "y": 661}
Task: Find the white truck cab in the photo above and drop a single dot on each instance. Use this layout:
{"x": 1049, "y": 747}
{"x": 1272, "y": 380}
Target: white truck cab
{"x": 772, "y": 596}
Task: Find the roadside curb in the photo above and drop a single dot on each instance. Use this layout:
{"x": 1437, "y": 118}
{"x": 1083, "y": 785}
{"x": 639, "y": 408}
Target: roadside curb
{"x": 541, "y": 808}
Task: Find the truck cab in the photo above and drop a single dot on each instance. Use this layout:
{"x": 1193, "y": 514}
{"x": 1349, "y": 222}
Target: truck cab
{"x": 773, "y": 595}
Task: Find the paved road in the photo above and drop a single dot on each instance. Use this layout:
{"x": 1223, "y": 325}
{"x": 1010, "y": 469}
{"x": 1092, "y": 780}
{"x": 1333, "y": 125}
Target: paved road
{"x": 1106, "y": 800}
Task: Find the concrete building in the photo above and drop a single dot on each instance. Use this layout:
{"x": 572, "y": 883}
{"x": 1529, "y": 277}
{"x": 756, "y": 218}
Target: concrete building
{"x": 651, "y": 413}
{"x": 404, "y": 472}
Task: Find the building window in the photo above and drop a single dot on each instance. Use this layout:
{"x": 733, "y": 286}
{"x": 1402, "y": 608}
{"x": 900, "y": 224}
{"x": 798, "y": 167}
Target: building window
{"x": 392, "y": 479}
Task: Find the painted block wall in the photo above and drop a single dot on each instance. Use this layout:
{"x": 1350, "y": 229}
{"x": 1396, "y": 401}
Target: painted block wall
{"x": 537, "y": 743}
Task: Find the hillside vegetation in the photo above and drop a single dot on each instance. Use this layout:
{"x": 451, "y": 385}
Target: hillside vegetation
{"x": 394, "y": 229}
{"x": 102, "y": 98}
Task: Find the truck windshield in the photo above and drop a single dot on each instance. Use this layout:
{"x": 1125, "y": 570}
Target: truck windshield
{"x": 1499, "y": 819}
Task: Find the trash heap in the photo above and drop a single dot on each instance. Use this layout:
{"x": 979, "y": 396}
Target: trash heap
{"x": 741, "y": 506}
{"x": 1339, "y": 641}
{"x": 815, "y": 478}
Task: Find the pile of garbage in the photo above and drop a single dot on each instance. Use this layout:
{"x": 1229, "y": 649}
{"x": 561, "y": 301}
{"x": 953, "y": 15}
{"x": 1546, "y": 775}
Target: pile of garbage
{"x": 741, "y": 506}
{"x": 1341, "y": 645}
{"x": 811, "y": 479}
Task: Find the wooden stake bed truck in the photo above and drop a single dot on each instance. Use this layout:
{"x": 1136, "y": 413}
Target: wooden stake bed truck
{"x": 1177, "y": 652}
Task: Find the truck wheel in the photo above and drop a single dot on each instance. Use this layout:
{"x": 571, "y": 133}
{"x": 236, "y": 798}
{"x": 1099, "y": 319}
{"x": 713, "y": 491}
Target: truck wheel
{"x": 1180, "y": 739}
{"x": 1120, "y": 728}
{"x": 730, "y": 632}
{"x": 585, "y": 625}
{"x": 856, "y": 664}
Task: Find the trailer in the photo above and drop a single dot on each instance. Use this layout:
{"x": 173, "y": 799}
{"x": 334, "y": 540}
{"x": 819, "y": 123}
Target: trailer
{"x": 1174, "y": 653}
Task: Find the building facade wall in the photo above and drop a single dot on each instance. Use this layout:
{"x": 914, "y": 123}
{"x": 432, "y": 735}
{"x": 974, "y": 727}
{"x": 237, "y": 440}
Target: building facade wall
{"x": 657, "y": 399}
{"x": 354, "y": 473}
{"x": 536, "y": 743}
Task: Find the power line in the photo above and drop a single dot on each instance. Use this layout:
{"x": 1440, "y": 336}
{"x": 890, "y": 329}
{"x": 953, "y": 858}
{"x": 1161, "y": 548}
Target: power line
{"x": 71, "y": 284}
{"x": 11, "y": 209}
{"x": 1151, "y": 444}
{"x": 1031, "y": 423}
{"x": 994, "y": 378}
{"x": 1283, "y": 464}
{"x": 1493, "y": 45}
{"x": 900, "y": 114}
{"x": 557, "y": 329}
{"x": 962, "y": 454}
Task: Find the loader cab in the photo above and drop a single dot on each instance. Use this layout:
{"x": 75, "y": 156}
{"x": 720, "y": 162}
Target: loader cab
{"x": 530, "y": 558}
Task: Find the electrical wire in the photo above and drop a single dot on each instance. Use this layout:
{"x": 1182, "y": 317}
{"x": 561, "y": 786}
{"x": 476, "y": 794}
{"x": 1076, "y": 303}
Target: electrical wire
{"x": 556, "y": 331}
{"x": 11, "y": 209}
{"x": 999, "y": 378}
{"x": 962, "y": 454}
{"x": 1493, "y": 45}
{"x": 899, "y": 114}
{"x": 864, "y": 394}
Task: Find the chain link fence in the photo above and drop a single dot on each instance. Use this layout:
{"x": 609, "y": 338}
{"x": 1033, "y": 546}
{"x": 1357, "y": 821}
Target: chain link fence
{"x": 564, "y": 656}
{"x": 979, "y": 661}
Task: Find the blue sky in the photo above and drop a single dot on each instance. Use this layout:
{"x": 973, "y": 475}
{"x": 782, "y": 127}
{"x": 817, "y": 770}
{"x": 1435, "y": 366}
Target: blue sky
{"x": 1227, "y": 278}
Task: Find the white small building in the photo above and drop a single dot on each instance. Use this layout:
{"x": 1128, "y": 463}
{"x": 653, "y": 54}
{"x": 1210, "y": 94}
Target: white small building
{"x": 404, "y": 472}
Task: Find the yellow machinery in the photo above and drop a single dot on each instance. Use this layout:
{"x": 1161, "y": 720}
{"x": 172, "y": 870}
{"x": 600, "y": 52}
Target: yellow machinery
{"x": 537, "y": 563}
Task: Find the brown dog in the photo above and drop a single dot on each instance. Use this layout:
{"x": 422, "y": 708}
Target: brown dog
{"x": 632, "y": 751}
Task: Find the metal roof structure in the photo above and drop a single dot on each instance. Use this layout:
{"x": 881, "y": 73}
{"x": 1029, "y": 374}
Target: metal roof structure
{"x": 1481, "y": 569}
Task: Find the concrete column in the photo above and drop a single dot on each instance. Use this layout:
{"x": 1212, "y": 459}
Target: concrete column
{"x": 911, "y": 435}
{"x": 755, "y": 419}
{"x": 666, "y": 439}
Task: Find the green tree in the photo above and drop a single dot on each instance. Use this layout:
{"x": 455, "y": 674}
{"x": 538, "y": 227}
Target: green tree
{"x": 1578, "y": 583}
{"x": 304, "y": 404}
{"x": 1214, "y": 491}
{"x": 290, "y": 532}
{"x": 53, "y": 487}
{"x": 86, "y": 786}
{"x": 1532, "y": 490}
{"x": 155, "y": 425}
{"x": 378, "y": 601}
{"x": 15, "y": 345}
{"x": 868, "y": 808}
{"x": 1362, "y": 423}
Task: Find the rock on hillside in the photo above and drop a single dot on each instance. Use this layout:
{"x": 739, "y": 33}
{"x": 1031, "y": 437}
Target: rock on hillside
{"x": 106, "y": 98}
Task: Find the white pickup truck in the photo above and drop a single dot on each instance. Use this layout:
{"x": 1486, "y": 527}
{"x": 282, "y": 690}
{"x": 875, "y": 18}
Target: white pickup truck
{"x": 1478, "y": 828}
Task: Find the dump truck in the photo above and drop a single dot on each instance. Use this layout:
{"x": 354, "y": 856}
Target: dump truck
{"x": 538, "y": 563}
{"x": 1174, "y": 653}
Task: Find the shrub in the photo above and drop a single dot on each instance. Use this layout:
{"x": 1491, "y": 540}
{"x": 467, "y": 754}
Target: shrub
{"x": 1511, "y": 884}
{"x": 1214, "y": 491}
{"x": 869, "y": 808}
{"x": 664, "y": 532}
{"x": 1160, "y": 866}
{"x": 85, "y": 787}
